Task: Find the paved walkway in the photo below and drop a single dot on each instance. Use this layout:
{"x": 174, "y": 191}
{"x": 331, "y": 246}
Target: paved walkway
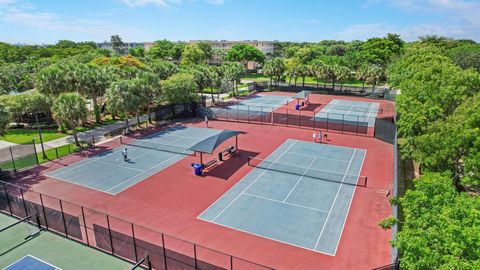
{"x": 97, "y": 133}
{"x": 5, "y": 144}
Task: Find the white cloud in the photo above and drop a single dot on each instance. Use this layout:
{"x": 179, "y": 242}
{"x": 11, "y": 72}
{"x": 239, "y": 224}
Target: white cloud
{"x": 141, "y": 3}
{"x": 65, "y": 26}
{"x": 161, "y": 3}
{"x": 453, "y": 18}
{"x": 215, "y": 2}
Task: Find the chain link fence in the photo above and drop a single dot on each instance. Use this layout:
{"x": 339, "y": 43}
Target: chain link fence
{"x": 114, "y": 235}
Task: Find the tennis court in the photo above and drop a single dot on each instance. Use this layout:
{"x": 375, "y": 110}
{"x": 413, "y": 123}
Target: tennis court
{"x": 23, "y": 246}
{"x": 299, "y": 195}
{"x": 349, "y": 112}
{"x": 254, "y": 108}
{"x": 109, "y": 173}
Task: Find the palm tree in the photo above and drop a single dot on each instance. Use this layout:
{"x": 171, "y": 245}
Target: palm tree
{"x": 318, "y": 70}
{"x": 147, "y": 86}
{"x": 121, "y": 97}
{"x": 4, "y": 118}
{"x": 343, "y": 74}
{"x": 216, "y": 75}
{"x": 361, "y": 74}
{"x": 233, "y": 73}
{"x": 70, "y": 110}
{"x": 304, "y": 71}
{"x": 375, "y": 75}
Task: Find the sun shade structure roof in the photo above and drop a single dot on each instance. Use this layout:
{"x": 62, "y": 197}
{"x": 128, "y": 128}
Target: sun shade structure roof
{"x": 211, "y": 143}
{"x": 304, "y": 94}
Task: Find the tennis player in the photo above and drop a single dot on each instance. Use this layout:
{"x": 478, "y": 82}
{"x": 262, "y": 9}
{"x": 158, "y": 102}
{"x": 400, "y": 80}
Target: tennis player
{"x": 125, "y": 154}
{"x": 206, "y": 121}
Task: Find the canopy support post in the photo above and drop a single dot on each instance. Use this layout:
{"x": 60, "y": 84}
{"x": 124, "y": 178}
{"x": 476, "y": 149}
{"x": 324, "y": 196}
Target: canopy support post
{"x": 236, "y": 141}
{"x": 201, "y": 159}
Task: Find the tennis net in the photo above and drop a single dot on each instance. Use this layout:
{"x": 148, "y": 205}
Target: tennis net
{"x": 175, "y": 149}
{"x": 354, "y": 108}
{"x": 348, "y": 179}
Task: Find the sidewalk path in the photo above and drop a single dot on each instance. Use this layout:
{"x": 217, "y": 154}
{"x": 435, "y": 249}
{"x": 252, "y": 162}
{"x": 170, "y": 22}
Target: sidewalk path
{"x": 5, "y": 144}
{"x": 97, "y": 133}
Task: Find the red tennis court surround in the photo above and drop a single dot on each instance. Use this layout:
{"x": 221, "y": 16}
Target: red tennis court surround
{"x": 171, "y": 200}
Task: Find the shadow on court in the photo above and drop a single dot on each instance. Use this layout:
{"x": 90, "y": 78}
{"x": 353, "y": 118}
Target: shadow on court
{"x": 230, "y": 165}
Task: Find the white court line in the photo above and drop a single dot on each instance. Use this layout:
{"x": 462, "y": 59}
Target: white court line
{"x": 142, "y": 172}
{"x": 283, "y": 202}
{"x": 40, "y": 260}
{"x": 253, "y": 182}
{"x": 334, "y": 200}
{"x": 350, "y": 204}
{"x": 329, "y": 106}
{"x": 300, "y": 179}
{"x": 307, "y": 155}
{"x": 118, "y": 165}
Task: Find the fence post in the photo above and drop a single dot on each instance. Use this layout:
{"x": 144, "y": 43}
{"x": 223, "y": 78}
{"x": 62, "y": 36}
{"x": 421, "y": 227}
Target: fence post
{"x": 110, "y": 234}
{"x": 261, "y": 115}
{"x": 134, "y": 244}
{"x": 63, "y": 218}
{"x": 287, "y": 119}
{"x": 231, "y": 262}
{"x": 356, "y": 126}
{"x": 24, "y": 204}
{"x": 8, "y": 199}
{"x": 35, "y": 151}
{"x": 13, "y": 160}
{"x": 164, "y": 252}
{"x": 248, "y": 114}
{"x": 313, "y": 119}
{"x": 328, "y": 116}
{"x": 343, "y": 121}
{"x": 195, "y": 255}
{"x": 299, "y": 118}
{"x": 56, "y": 151}
{"x": 43, "y": 210}
{"x": 85, "y": 224}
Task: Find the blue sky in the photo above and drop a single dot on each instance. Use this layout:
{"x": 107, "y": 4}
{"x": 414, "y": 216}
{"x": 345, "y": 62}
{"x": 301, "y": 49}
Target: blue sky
{"x": 46, "y": 21}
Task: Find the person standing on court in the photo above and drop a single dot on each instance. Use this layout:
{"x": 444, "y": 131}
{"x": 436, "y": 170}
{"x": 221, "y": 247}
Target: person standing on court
{"x": 320, "y": 136}
{"x": 206, "y": 121}
{"x": 125, "y": 154}
{"x": 314, "y": 136}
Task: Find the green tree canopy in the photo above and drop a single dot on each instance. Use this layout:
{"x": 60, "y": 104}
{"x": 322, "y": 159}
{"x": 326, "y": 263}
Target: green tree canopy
{"x": 441, "y": 228}
{"x": 244, "y": 53}
{"x": 70, "y": 110}
{"x": 180, "y": 88}
{"x": 4, "y": 118}
{"x": 193, "y": 55}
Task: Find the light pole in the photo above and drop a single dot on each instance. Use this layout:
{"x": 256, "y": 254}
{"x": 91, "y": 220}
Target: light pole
{"x": 40, "y": 136}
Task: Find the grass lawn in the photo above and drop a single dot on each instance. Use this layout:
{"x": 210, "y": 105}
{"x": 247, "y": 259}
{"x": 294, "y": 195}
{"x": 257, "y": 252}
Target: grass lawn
{"x": 25, "y": 135}
{"x": 309, "y": 80}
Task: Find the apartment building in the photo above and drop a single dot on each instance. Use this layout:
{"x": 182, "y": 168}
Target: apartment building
{"x": 267, "y": 47}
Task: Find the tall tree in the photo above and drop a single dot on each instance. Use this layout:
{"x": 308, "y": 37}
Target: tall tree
{"x": 206, "y": 49}
{"x": 4, "y": 118}
{"x": 233, "y": 73}
{"x": 117, "y": 44}
{"x": 244, "y": 53}
{"x": 193, "y": 55}
{"x": 202, "y": 76}
{"x": 122, "y": 97}
{"x": 70, "y": 110}
{"x": 180, "y": 88}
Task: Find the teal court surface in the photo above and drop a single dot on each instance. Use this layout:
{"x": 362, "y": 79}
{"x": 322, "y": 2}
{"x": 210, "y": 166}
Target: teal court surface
{"x": 258, "y": 108}
{"x": 299, "y": 195}
{"x": 350, "y": 112}
{"x": 30, "y": 262}
{"x": 109, "y": 173}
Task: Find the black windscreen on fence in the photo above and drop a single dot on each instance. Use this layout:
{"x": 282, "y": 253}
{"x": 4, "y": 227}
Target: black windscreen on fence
{"x": 175, "y": 111}
{"x": 344, "y": 123}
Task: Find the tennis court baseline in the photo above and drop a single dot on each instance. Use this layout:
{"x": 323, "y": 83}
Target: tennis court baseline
{"x": 349, "y": 112}
{"x": 30, "y": 262}
{"x": 298, "y": 209}
{"x": 109, "y": 173}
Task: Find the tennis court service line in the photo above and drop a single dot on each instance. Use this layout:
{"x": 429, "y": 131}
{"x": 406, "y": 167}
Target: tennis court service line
{"x": 253, "y": 182}
{"x": 287, "y": 203}
{"x": 117, "y": 165}
{"x": 299, "y": 179}
{"x": 331, "y": 106}
{"x": 307, "y": 155}
{"x": 336, "y": 196}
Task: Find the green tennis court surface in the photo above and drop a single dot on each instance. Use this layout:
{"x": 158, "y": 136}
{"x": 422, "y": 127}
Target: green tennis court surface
{"x": 299, "y": 195}
{"x": 20, "y": 250}
{"x": 109, "y": 173}
{"x": 349, "y": 112}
